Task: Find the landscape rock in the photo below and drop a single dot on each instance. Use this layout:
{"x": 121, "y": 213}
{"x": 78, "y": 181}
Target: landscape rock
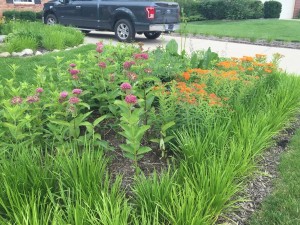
{"x": 2, "y": 37}
{"x": 16, "y": 54}
{"x": 27, "y": 51}
{"x": 38, "y": 53}
{"x": 4, "y": 54}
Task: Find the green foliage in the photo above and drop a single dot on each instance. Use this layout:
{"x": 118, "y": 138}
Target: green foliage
{"x": 231, "y": 9}
{"x": 171, "y": 63}
{"x": 22, "y": 15}
{"x": 69, "y": 186}
{"x": 286, "y": 191}
{"x": 133, "y": 132}
{"x": 272, "y": 9}
{"x": 17, "y": 44}
{"x": 222, "y": 118}
{"x": 38, "y": 35}
{"x": 247, "y": 29}
{"x": 190, "y": 11}
{"x": 204, "y": 60}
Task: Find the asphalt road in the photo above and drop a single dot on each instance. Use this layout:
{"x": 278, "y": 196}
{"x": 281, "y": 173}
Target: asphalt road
{"x": 289, "y": 63}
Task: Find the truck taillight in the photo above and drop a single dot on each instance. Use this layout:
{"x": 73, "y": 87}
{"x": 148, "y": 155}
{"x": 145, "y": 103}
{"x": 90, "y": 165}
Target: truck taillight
{"x": 150, "y": 12}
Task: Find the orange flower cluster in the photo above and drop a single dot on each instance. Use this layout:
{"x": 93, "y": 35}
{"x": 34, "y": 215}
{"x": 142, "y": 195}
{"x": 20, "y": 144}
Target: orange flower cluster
{"x": 216, "y": 86}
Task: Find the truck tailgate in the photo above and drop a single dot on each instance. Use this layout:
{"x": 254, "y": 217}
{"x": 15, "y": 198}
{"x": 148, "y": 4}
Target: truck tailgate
{"x": 166, "y": 12}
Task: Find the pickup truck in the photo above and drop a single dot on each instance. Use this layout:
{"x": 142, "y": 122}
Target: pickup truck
{"x": 125, "y": 18}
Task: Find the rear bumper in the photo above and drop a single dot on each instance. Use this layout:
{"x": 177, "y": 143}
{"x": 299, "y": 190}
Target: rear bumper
{"x": 164, "y": 27}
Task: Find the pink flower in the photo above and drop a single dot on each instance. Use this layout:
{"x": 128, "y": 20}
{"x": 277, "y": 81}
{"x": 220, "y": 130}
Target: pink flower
{"x": 147, "y": 70}
{"x": 141, "y": 56}
{"x": 72, "y": 65}
{"x": 76, "y": 91}
{"x": 16, "y": 100}
{"x": 74, "y": 100}
{"x": 132, "y": 76}
{"x": 74, "y": 71}
{"x": 125, "y": 86}
{"x": 99, "y": 47}
{"x": 128, "y": 64}
{"x": 131, "y": 99}
{"x": 63, "y": 94}
{"x": 39, "y": 90}
{"x": 32, "y": 99}
{"x": 112, "y": 77}
{"x": 75, "y": 77}
{"x": 102, "y": 65}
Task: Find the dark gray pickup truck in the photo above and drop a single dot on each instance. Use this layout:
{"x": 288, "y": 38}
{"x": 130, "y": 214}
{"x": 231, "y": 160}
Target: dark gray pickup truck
{"x": 125, "y": 18}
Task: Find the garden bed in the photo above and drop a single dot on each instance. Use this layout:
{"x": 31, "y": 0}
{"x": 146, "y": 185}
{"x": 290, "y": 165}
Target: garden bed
{"x": 118, "y": 135}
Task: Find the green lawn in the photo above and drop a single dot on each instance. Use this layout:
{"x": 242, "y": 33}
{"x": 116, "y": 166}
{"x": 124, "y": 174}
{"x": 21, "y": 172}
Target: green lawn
{"x": 283, "y": 206}
{"x": 27, "y": 65}
{"x": 267, "y": 29}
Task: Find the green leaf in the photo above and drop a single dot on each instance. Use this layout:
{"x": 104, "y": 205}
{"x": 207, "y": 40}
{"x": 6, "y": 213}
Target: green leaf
{"x": 127, "y": 148}
{"x": 100, "y": 119}
{"x": 143, "y": 150}
{"x": 167, "y": 126}
{"x": 172, "y": 47}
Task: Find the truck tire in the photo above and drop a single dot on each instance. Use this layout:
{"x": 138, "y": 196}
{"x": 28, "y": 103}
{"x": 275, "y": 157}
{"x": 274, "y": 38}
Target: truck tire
{"x": 51, "y": 19}
{"x": 124, "y": 31}
{"x": 152, "y": 35}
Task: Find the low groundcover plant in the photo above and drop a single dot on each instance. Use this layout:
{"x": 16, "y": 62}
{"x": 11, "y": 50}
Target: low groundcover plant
{"x": 210, "y": 124}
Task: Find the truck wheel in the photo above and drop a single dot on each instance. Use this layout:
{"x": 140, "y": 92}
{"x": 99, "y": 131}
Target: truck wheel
{"x": 152, "y": 35}
{"x": 124, "y": 31}
{"x": 51, "y": 19}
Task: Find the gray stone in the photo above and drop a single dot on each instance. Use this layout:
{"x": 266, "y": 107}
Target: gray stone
{"x": 38, "y": 53}
{"x": 27, "y": 51}
{"x": 56, "y": 50}
{"x": 4, "y": 54}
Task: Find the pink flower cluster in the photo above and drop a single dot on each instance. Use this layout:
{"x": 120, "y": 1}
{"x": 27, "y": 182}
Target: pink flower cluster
{"x": 32, "y": 99}
{"x": 74, "y": 71}
{"x": 76, "y": 91}
{"x": 72, "y": 65}
{"x": 128, "y": 64}
{"x": 131, "y": 99}
{"x": 125, "y": 86}
{"x": 16, "y": 100}
{"x": 102, "y": 65}
{"x": 99, "y": 47}
{"x": 141, "y": 56}
{"x": 132, "y": 76}
{"x": 72, "y": 100}
{"x": 39, "y": 90}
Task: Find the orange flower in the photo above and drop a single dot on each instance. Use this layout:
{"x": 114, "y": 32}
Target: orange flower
{"x": 186, "y": 75}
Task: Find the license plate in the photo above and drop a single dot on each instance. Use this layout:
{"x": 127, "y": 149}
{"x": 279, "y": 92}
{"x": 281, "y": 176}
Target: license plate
{"x": 169, "y": 26}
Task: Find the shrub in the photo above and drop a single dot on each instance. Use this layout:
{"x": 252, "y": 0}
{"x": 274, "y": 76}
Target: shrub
{"x": 49, "y": 37}
{"x": 272, "y": 9}
{"x": 213, "y": 9}
{"x": 256, "y": 9}
{"x": 190, "y": 11}
{"x": 11, "y": 15}
{"x": 27, "y": 16}
{"x": 231, "y": 9}
{"x": 22, "y": 15}
{"x": 19, "y": 43}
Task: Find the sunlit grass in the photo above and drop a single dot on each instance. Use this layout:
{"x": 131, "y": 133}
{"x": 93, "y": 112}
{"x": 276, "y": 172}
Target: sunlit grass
{"x": 266, "y": 29}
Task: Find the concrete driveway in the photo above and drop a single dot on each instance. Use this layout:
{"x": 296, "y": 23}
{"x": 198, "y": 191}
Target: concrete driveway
{"x": 289, "y": 63}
